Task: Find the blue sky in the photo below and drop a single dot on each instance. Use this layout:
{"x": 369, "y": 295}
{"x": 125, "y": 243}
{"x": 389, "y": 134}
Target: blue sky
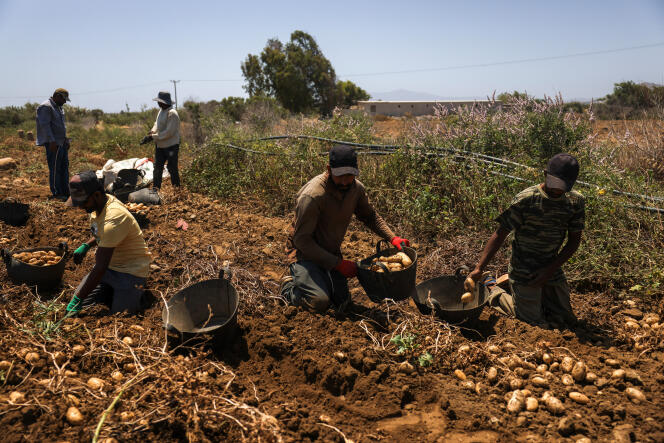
{"x": 91, "y": 46}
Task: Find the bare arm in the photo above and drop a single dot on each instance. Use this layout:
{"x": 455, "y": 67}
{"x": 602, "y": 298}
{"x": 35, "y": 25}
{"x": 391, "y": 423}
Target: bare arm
{"x": 102, "y": 260}
{"x": 493, "y": 245}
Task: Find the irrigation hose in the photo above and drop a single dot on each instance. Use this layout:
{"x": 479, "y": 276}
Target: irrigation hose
{"x": 378, "y": 149}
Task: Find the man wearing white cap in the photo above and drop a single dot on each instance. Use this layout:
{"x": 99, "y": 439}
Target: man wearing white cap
{"x": 166, "y": 135}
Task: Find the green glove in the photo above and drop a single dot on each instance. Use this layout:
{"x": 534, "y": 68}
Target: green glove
{"x": 79, "y": 253}
{"x": 74, "y": 306}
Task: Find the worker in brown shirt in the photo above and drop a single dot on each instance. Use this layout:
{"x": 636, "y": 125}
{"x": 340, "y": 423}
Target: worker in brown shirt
{"x": 324, "y": 208}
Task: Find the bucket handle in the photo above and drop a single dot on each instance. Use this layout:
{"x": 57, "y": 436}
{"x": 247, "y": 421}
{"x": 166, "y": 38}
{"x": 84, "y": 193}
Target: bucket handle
{"x": 461, "y": 272}
{"x": 225, "y": 271}
{"x": 378, "y": 250}
{"x": 6, "y": 256}
{"x": 64, "y": 248}
{"x": 385, "y": 268}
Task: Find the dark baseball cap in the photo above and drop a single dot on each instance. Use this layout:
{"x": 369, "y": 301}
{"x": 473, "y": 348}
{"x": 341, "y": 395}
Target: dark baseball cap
{"x": 63, "y": 92}
{"x": 82, "y": 186}
{"x": 561, "y": 172}
{"x": 343, "y": 160}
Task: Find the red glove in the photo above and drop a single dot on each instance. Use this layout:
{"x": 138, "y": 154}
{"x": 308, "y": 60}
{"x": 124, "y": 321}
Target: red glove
{"x": 396, "y": 241}
{"x": 347, "y": 268}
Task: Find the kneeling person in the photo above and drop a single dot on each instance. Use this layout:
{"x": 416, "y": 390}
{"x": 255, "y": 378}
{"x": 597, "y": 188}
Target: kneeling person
{"x": 324, "y": 209}
{"x": 122, "y": 259}
{"x": 540, "y": 218}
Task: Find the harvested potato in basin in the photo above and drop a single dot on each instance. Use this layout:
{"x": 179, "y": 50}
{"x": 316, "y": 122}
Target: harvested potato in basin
{"x": 393, "y": 263}
{"x": 38, "y": 258}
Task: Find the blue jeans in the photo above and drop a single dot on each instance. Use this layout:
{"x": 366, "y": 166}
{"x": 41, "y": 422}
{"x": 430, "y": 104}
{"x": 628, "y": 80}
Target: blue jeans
{"x": 58, "y": 170}
{"x": 315, "y": 288}
{"x": 117, "y": 290}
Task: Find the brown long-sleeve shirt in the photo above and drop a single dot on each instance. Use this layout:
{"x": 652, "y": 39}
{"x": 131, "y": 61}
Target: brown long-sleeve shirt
{"x": 322, "y": 216}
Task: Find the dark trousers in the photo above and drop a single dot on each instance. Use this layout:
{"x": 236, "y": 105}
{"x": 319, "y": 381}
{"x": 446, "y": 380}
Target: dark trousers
{"x": 117, "y": 290}
{"x": 168, "y": 156}
{"x": 315, "y": 288}
{"x": 58, "y": 170}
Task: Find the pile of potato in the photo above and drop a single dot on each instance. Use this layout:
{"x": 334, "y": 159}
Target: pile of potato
{"x": 38, "y": 258}
{"x": 4, "y": 241}
{"x": 396, "y": 262}
{"x": 138, "y": 208}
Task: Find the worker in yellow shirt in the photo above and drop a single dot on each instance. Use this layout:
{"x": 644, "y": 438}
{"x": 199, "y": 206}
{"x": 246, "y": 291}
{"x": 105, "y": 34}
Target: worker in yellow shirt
{"x": 122, "y": 260}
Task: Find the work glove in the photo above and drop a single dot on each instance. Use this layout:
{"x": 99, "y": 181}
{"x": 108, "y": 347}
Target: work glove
{"x": 79, "y": 253}
{"x": 74, "y": 306}
{"x": 146, "y": 139}
{"x": 397, "y": 241}
{"x": 347, "y": 268}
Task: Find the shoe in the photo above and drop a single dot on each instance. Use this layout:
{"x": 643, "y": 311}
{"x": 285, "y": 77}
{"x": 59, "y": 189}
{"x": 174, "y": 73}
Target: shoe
{"x": 488, "y": 280}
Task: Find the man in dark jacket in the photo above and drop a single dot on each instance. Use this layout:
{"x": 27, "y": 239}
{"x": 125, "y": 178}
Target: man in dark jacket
{"x": 325, "y": 206}
{"x": 52, "y": 135}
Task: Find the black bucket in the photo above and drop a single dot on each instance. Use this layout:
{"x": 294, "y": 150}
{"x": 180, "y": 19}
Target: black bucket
{"x": 397, "y": 285}
{"x": 209, "y": 306}
{"x": 13, "y": 213}
{"x": 44, "y": 277}
{"x": 442, "y": 295}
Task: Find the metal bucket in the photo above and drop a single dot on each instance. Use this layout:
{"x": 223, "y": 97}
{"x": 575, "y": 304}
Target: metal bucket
{"x": 209, "y": 306}
{"x": 44, "y": 277}
{"x": 442, "y": 295}
{"x": 13, "y": 213}
{"x": 398, "y": 285}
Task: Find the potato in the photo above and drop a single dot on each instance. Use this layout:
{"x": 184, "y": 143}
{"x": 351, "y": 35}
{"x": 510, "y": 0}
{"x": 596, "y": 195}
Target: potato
{"x": 469, "y": 284}
{"x": 579, "y": 398}
{"x": 126, "y": 415}
{"x": 547, "y": 358}
{"x": 635, "y": 395}
{"x": 74, "y": 416}
{"x": 467, "y": 297}
{"x": 458, "y": 373}
{"x": 74, "y": 400}
{"x": 567, "y": 364}
{"x": 579, "y": 371}
{"x": 59, "y": 357}
{"x": 591, "y": 377}
{"x": 493, "y": 349}
{"x": 69, "y": 373}
{"x": 95, "y": 383}
{"x": 542, "y": 368}
{"x": 16, "y": 397}
{"x": 516, "y": 402}
{"x": 516, "y": 383}
{"x": 406, "y": 368}
{"x": 492, "y": 374}
{"x": 32, "y": 357}
{"x": 117, "y": 376}
{"x": 618, "y": 374}
{"x": 540, "y": 382}
{"x": 612, "y": 362}
{"x": 531, "y": 404}
{"x": 128, "y": 341}
{"x": 567, "y": 380}
{"x": 554, "y": 406}
{"x": 468, "y": 384}
{"x": 4, "y": 365}
{"x": 78, "y": 350}
{"x": 405, "y": 260}
{"x": 340, "y": 356}
{"x": 554, "y": 366}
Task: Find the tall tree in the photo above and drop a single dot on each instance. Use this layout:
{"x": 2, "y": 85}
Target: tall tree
{"x": 297, "y": 74}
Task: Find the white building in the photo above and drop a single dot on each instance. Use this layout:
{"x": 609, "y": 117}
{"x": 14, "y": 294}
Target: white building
{"x": 415, "y": 108}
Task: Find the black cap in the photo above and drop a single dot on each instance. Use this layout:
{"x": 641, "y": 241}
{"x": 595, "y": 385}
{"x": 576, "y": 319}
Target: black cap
{"x": 343, "y": 160}
{"x": 82, "y": 186}
{"x": 561, "y": 172}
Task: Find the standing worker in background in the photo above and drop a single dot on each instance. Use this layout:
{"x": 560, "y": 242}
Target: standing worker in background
{"x": 540, "y": 217}
{"x": 52, "y": 135}
{"x": 166, "y": 135}
{"x": 122, "y": 260}
{"x": 324, "y": 209}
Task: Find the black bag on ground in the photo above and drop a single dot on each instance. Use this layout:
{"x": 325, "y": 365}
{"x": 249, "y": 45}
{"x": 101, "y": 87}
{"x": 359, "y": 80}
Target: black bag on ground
{"x": 126, "y": 183}
{"x": 14, "y": 213}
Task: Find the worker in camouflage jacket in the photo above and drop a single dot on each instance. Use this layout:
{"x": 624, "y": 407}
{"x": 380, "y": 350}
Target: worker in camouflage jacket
{"x": 540, "y": 217}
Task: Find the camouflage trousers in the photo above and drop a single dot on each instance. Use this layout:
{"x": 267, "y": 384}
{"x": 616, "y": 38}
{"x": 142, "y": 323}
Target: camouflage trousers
{"x": 537, "y": 306}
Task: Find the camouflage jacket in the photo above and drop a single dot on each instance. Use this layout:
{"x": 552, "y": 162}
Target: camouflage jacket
{"x": 540, "y": 224}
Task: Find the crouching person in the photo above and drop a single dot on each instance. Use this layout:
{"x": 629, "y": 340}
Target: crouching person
{"x": 325, "y": 206}
{"x": 122, "y": 259}
{"x": 541, "y": 217}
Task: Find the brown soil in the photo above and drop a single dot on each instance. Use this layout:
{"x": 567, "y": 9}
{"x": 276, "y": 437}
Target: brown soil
{"x": 289, "y": 375}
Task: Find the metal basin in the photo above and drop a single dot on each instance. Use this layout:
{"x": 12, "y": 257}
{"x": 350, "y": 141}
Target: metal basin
{"x": 442, "y": 295}
{"x": 209, "y": 306}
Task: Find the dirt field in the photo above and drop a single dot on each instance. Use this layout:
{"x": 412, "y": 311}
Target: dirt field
{"x": 288, "y": 375}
